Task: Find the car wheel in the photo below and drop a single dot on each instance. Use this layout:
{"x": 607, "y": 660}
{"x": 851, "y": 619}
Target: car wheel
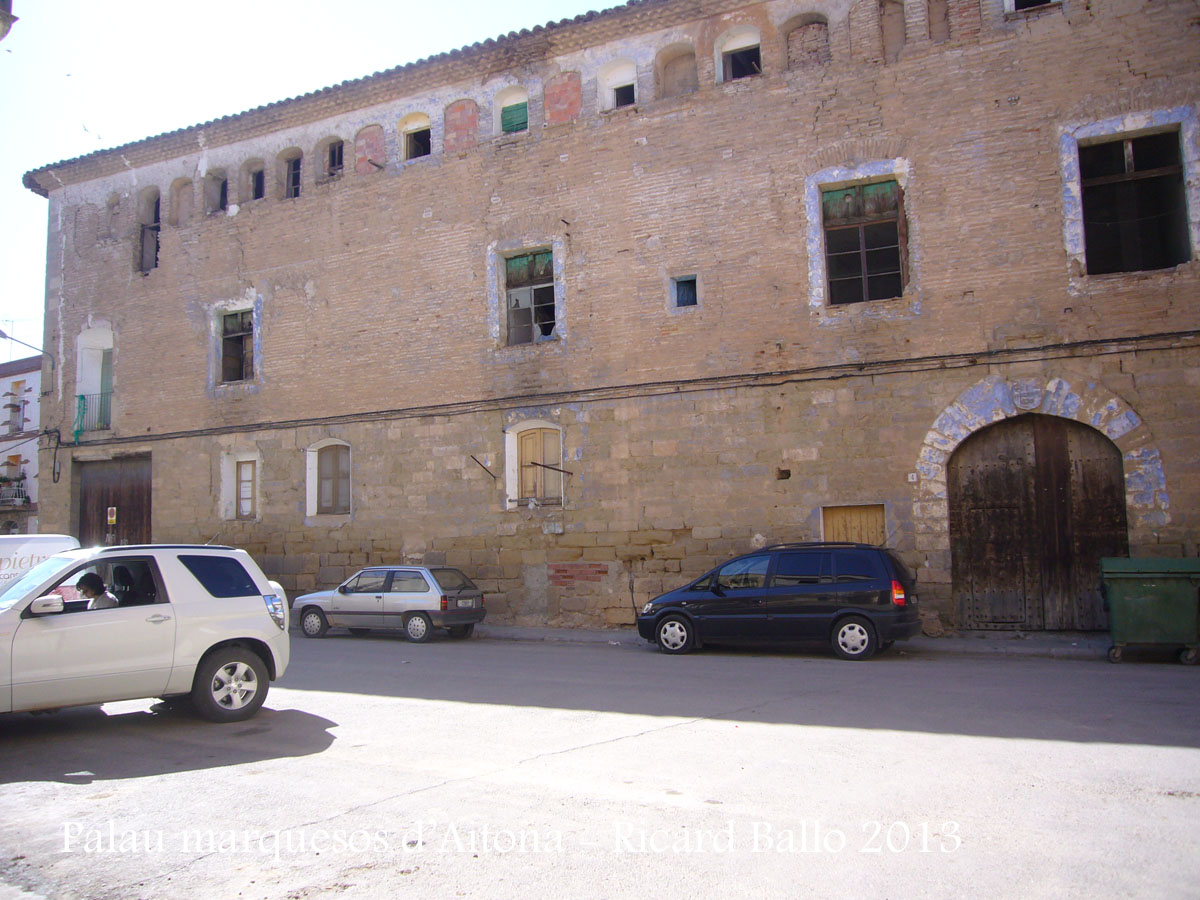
{"x": 674, "y": 635}
{"x": 417, "y": 628}
{"x": 461, "y": 632}
{"x": 231, "y": 684}
{"x": 313, "y": 623}
{"x": 1115, "y": 654}
{"x": 854, "y": 638}
{"x": 359, "y": 630}
{"x": 1189, "y": 655}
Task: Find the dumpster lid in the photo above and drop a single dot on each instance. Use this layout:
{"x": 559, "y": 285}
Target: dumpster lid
{"x": 1149, "y": 565}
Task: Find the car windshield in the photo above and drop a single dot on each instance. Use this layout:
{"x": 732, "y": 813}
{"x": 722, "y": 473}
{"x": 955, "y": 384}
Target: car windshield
{"x": 453, "y": 580}
{"x": 43, "y": 571}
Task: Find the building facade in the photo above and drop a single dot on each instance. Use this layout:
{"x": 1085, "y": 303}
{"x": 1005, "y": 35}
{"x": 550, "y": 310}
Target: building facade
{"x": 586, "y": 309}
{"x": 21, "y": 389}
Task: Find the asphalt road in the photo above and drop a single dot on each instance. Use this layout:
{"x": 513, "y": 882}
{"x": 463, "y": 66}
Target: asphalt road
{"x": 499, "y": 769}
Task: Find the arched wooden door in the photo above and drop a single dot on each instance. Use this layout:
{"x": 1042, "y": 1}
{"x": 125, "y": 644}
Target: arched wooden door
{"x": 1035, "y": 502}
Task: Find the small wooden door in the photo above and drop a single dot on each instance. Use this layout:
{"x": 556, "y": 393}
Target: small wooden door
{"x": 863, "y": 524}
{"x": 122, "y": 485}
{"x": 1035, "y": 502}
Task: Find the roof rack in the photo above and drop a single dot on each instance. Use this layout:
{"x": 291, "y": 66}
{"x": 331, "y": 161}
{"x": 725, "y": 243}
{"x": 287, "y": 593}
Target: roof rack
{"x": 798, "y": 545}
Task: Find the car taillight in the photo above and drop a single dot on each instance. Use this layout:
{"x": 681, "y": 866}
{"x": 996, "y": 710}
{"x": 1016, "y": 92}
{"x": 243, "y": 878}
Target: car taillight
{"x": 481, "y": 600}
{"x": 898, "y": 598}
{"x": 445, "y": 603}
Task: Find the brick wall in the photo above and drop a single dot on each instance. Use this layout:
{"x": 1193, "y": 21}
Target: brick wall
{"x": 382, "y": 324}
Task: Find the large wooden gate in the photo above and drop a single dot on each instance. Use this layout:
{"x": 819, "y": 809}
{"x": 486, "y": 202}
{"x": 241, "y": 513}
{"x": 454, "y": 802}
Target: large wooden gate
{"x": 1035, "y": 502}
{"x": 122, "y": 486}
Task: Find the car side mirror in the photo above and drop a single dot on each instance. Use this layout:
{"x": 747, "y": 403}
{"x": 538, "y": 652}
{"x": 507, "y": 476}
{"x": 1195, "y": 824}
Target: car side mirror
{"x": 342, "y": 589}
{"x": 49, "y": 605}
{"x": 717, "y": 589}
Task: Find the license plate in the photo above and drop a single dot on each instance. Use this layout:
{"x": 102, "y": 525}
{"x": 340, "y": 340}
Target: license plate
{"x": 467, "y": 603}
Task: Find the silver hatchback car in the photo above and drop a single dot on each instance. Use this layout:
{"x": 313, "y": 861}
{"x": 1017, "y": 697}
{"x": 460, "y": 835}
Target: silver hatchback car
{"x": 415, "y": 599}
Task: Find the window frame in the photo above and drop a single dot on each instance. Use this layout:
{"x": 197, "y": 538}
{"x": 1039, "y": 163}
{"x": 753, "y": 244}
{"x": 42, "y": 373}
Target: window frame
{"x": 673, "y": 297}
{"x": 1183, "y": 118}
{"x": 860, "y": 224}
{"x": 536, "y": 292}
{"x": 312, "y": 480}
{"x": 898, "y": 170}
{"x": 1131, "y": 178}
{"x": 514, "y": 483}
{"x": 243, "y": 338}
{"x": 239, "y": 482}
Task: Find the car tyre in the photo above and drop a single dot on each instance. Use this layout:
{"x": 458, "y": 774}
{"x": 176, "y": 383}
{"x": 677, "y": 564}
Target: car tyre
{"x": 417, "y": 628}
{"x": 1115, "y": 654}
{"x": 230, "y": 685}
{"x": 854, "y": 638}
{"x": 462, "y": 632}
{"x": 313, "y": 623}
{"x": 674, "y": 634}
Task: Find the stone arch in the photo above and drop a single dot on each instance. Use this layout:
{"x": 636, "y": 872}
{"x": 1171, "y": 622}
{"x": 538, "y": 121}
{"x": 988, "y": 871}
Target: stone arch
{"x": 996, "y": 398}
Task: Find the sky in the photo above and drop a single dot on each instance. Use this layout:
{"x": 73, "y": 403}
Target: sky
{"x": 78, "y": 76}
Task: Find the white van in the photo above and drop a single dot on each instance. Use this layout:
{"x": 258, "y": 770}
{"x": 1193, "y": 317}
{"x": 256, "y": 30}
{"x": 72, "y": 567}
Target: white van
{"x": 21, "y": 552}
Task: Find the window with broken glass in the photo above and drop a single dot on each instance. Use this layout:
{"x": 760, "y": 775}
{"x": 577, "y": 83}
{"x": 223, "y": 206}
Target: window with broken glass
{"x": 742, "y": 63}
{"x": 865, "y": 242}
{"x": 334, "y": 159}
{"x": 291, "y": 178}
{"x": 417, "y": 143}
{"x": 539, "y": 452}
{"x": 529, "y": 293}
{"x": 1134, "y": 209}
{"x": 237, "y": 346}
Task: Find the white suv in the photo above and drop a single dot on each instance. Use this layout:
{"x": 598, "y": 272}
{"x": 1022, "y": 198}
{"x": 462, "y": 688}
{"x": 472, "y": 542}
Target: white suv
{"x": 175, "y": 621}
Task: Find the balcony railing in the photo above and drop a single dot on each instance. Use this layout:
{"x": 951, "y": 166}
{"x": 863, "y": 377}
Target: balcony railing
{"x": 93, "y": 412}
{"x": 13, "y": 493}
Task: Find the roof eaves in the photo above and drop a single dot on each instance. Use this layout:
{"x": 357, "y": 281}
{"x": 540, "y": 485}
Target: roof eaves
{"x": 45, "y": 178}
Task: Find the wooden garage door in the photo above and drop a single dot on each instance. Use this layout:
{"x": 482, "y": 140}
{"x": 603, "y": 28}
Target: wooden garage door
{"x": 1035, "y": 501}
{"x": 122, "y": 485}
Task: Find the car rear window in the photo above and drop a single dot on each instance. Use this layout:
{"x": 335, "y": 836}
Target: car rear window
{"x": 221, "y": 576}
{"x": 857, "y": 565}
{"x": 452, "y": 580}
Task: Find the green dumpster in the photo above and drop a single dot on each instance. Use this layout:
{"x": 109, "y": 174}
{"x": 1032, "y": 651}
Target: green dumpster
{"x": 1152, "y": 601}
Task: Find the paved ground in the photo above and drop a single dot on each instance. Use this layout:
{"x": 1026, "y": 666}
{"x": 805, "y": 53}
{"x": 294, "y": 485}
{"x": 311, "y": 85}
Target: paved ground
{"x": 526, "y": 764}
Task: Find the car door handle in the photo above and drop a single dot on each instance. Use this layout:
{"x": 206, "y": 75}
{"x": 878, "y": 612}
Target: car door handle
{"x": 156, "y": 619}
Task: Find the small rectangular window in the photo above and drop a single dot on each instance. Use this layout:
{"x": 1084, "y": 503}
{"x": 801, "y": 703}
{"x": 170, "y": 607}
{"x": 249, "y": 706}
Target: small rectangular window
{"x": 258, "y": 184}
{"x": 246, "y": 479}
{"x": 333, "y": 479}
{"x": 514, "y": 118}
{"x": 417, "y": 143}
{"x": 529, "y": 292}
{"x": 865, "y": 250}
{"x": 539, "y": 460}
{"x": 237, "y": 346}
{"x": 623, "y": 96}
{"x": 333, "y": 163}
{"x": 683, "y": 291}
{"x": 743, "y": 63}
{"x": 291, "y": 184}
{"x": 1134, "y": 207}
{"x": 1019, "y": 5}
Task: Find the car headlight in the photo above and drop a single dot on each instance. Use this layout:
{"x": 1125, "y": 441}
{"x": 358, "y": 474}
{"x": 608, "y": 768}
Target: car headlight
{"x": 648, "y": 608}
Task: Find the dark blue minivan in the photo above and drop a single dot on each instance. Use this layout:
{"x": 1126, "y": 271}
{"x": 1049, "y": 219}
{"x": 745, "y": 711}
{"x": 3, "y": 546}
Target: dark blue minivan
{"x": 856, "y": 597}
